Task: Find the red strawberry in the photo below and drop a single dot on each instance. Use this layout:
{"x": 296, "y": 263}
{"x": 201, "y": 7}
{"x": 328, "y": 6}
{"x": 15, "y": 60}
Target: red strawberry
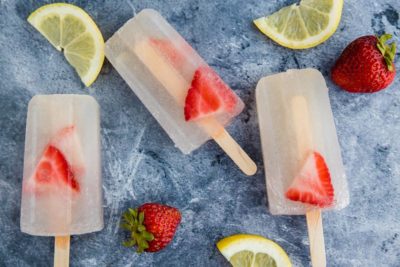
{"x": 168, "y": 50}
{"x": 208, "y": 95}
{"x": 366, "y": 65}
{"x": 313, "y": 184}
{"x": 67, "y": 141}
{"x": 60, "y": 165}
{"x": 152, "y": 226}
{"x": 53, "y": 168}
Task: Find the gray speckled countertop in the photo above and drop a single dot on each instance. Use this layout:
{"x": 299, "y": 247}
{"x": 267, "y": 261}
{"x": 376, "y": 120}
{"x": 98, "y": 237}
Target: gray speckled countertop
{"x": 141, "y": 164}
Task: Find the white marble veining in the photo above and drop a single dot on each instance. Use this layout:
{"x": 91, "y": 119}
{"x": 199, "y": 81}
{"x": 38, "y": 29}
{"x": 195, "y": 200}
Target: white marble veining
{"x": 140, "y": 162}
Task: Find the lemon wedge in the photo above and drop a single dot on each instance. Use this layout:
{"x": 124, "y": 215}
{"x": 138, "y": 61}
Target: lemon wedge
{"x": 244, "y": 250}
{"x": 71, "y": 30}
{"x": 303, "y": 25}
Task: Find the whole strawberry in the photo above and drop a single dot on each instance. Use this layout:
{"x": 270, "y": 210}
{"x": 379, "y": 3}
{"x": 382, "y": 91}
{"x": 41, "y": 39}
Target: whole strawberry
{"x": 152, "y": 226}
{"x": 366, "y": 65}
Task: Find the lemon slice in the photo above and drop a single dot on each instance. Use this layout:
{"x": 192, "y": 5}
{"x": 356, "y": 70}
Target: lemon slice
{"x": 302, "y": 25}
{"x": 70, "y": 29}
{"x": 245, "y": 250}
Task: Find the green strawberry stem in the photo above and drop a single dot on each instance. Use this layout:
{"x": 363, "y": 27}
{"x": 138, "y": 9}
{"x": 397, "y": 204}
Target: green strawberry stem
{"x": 388, "y": 50}
{"x": 132, "y": 220}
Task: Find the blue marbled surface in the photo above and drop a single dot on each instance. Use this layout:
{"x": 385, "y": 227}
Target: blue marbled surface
{"x": 141, "y": 164}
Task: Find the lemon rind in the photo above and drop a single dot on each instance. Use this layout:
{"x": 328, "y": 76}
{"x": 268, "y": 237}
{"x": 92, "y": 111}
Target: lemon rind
{"x": 254, "y": 243}
{"x": 63, "y": 9}
{"x": 335, "y": 13}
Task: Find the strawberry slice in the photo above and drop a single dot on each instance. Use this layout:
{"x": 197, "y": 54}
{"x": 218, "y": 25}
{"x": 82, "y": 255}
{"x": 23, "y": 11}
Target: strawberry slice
{"x": 60, "y": 166}
{"x": 67, "y": 141}
{"x": 313, "y": 184}
{"x": 53, "y": 168}
{"x": 174, "y": 55}
{"x": 208, "y": 95}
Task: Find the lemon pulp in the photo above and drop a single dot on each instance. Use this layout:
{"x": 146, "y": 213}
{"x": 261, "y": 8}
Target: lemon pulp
{"x": 71, "y": 30}
{"x": 302, "y": 25}
{"x": 244, "y": 250}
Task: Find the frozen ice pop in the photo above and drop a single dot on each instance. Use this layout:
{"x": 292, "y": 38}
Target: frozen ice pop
{"x": 61, "y": 190}
{"x": 298, "y": 136}
{"x": 185, "y": 95}
{"x": 303, "y": 165}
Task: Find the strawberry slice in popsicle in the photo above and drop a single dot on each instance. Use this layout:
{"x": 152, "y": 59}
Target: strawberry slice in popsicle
{"x": 54, "y": 169}
{"x": 67, "y": 141}
{"x": 169, "y": 50}
{"x": 313, "y": 184}
{"x": 60, "y": 165}
{"x": 208, "y": 95}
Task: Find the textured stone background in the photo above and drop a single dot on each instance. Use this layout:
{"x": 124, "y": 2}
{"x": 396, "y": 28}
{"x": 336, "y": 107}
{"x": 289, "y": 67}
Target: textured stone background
{"x": 141, "y": 164}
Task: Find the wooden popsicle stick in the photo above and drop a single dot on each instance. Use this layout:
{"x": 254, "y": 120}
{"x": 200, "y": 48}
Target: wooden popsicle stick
{"x": 61, "y": 251}
{"x": 316, "y": 238}
{"x": 176, "y": 85}
{"x": 235, "y": 152}
{"x": 302, "y": 127}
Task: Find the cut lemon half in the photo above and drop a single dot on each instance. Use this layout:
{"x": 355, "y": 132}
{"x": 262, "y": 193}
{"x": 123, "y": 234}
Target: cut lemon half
{"x": 70, "y": 29}
{"x": 303, "y": 25}
{"x": 244, "y": 250}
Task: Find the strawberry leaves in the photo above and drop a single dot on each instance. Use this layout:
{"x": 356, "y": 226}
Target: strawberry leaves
{"x": 151, "y": 226}
{"x": 388, "y": 51}
{"x": 132, "y": 221}
{"x": 366, "y": 65}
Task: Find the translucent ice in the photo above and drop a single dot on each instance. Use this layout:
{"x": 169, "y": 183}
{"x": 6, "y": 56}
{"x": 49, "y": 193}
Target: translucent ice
{"x": 61, "y": 192}
{"x": 288, "y": 136}
{"x": 159, "y": 66}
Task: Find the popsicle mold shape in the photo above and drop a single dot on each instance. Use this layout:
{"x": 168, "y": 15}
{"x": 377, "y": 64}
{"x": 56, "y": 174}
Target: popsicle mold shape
{"x": 61, "y": 189}
{"x": 187, "y": 98}
{"x": 286, "y": 143}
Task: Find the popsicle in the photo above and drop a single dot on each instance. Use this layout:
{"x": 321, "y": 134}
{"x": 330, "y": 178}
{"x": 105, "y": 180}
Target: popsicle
{"x": 186, "y": 96}
{"x": 61, "y": 189}
{"x": 303, "y": 165}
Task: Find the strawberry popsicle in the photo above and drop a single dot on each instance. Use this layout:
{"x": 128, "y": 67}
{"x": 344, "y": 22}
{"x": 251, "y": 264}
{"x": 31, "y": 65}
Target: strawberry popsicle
{"x": 61, "y": 190}
{"x": 185, "y": 95}
{"x": 303, "y": 166}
